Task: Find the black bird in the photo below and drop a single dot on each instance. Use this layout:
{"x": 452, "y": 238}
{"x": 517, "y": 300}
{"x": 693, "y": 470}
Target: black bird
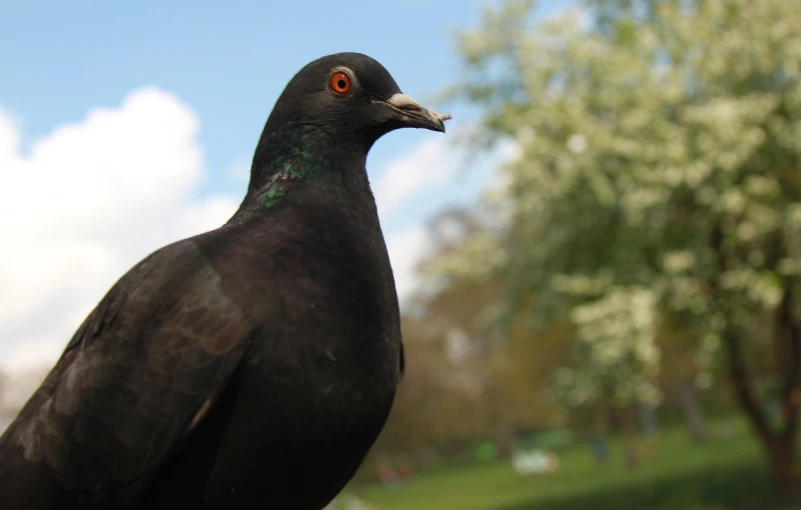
{"x": 251, "y": 366}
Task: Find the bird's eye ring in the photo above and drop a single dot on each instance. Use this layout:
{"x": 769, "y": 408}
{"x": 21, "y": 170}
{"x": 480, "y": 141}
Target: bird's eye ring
{"x": 340, "y": 83}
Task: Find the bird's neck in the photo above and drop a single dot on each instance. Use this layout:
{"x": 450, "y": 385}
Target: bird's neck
{"x": 300, "y": 157}
{"x": 305, "y": 153}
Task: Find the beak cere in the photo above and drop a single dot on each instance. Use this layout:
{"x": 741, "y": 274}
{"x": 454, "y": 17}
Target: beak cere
{"x": 416, "y": 115}
{"x": 403, "y": 102}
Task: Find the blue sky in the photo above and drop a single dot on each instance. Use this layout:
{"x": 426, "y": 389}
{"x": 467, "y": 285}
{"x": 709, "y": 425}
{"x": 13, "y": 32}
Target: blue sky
{"x": 228, "y": 62}
{"x": 203, "y": 77}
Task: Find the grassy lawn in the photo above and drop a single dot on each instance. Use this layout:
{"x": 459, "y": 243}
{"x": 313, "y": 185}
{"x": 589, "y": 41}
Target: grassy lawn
{"x": 722, "y": 474}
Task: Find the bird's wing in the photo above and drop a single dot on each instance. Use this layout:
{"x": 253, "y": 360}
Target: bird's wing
{"x": 140, "y": 373}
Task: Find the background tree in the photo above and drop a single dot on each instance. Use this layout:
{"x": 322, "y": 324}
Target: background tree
{"x": 659, "y": 174}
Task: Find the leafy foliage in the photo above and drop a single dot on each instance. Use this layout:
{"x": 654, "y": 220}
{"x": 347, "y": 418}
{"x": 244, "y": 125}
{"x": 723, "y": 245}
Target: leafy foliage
{"x": 659, "y": 173}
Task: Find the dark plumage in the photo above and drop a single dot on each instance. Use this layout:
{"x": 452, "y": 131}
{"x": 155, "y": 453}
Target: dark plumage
{"x": 251, "y": 366}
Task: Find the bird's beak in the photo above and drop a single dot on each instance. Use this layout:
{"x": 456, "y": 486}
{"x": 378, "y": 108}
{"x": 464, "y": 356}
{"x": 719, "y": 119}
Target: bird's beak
{"x": 415, "y": 115}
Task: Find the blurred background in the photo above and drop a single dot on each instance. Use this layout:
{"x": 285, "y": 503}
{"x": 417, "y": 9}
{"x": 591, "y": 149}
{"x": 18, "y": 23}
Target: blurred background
{"x": 598, "y": 265}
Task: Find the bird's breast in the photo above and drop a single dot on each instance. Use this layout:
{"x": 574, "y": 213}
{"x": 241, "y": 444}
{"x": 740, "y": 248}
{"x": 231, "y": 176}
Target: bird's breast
{"x": 327, "y": 341}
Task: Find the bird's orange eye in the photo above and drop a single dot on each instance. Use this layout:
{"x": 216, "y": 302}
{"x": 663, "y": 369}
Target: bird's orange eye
{"x": 340, "y": 83}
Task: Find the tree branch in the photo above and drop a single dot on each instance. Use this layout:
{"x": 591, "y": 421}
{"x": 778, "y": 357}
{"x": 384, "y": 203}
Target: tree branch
{"x": 738, "y": 373}
{"x": 789, "y": 331}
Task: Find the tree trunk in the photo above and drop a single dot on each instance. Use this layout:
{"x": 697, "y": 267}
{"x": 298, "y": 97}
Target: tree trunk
{"x": 688, "y": 399}
{"x": 648, "y": 421}
{"x": 787, "y": 338}
{"x": 628, "y": 429}
{"x": 780, "y": 445}
{"x": 785, "y": 467}
{"x": 600, "y": 425}
{"x": 503, "y": 434}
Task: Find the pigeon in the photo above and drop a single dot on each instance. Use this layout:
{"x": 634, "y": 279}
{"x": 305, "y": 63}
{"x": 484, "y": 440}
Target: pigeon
{"x": 251, "y": 366}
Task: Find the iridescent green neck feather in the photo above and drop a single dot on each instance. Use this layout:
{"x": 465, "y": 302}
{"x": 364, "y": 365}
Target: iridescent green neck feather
{"x": 299, "y": 158}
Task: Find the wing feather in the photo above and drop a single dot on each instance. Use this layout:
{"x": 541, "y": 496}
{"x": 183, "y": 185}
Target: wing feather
{"x": 138, "y": 376}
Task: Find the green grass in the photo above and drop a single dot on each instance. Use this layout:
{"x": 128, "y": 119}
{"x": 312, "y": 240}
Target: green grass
{"x": 722, "y": 474}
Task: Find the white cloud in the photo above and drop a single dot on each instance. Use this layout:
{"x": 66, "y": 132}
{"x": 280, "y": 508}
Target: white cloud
{"x": 88, "y": 201}
{"x": 32, "y": 356}
{"x": 91, "y": 198}
{"x": 433, "y": 164}
{"x": 238, "y": 170}
{"x": 406, "y": 249}
{"x": 430, "y": 164}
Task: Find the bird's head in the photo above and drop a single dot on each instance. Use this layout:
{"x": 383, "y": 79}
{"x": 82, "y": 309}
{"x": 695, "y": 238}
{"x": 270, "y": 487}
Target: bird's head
{"x": 352, "y": 97}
